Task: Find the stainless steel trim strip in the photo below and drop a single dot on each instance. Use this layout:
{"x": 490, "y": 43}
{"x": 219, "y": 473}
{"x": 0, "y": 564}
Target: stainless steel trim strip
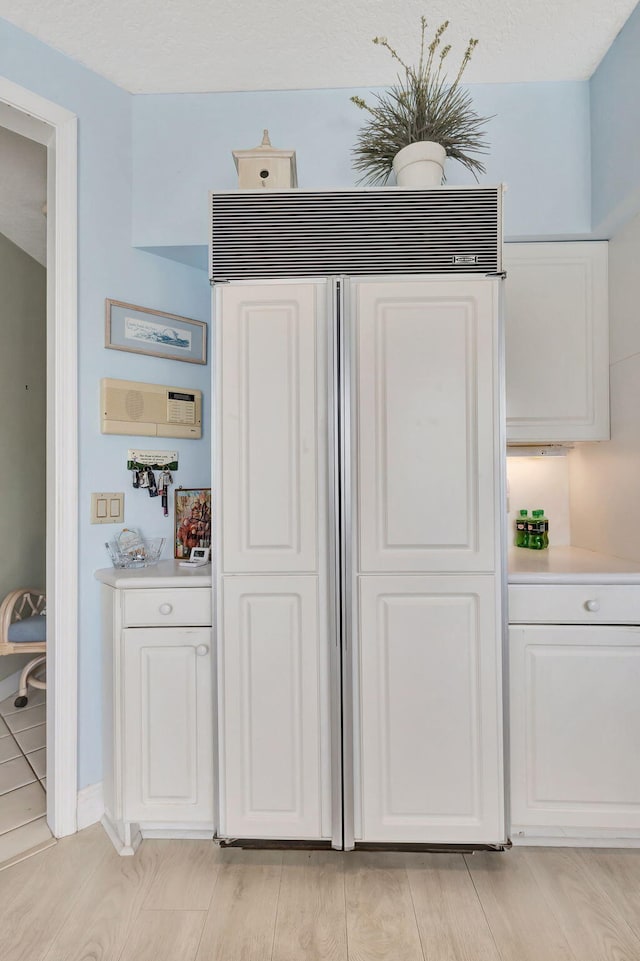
{"x": 216, "y": 559}
{"x": 334, "y": 619}
{"x": 346, "y": 546}
{"x": 503, "y": 574}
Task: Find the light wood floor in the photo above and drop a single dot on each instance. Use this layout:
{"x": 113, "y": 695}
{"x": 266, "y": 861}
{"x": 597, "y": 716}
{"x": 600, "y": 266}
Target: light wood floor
{"x": 190, "y": 901}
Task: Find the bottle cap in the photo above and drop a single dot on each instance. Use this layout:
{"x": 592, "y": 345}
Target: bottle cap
{"x": 523, "y": 513}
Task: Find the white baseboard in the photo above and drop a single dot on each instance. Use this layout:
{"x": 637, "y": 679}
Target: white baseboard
{"x": 9, "y": 685}
{"x": 90, "y": 805}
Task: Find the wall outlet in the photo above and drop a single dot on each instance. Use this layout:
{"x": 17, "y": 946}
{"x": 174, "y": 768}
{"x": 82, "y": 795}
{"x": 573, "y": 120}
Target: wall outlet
{"x": 107, "y": 508}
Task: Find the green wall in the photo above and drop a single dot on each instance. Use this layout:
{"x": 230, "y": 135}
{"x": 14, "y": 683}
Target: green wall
{"x": 22, "y": 425}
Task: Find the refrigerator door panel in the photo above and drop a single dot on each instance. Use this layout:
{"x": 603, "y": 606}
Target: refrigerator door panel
{"x": 431, "y": 717}
{"x": 276, "y": 626}
{"x": 426, "y": 400}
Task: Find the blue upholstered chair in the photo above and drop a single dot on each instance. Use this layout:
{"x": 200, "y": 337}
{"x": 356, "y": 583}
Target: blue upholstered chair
{"x": 23, "y": 630}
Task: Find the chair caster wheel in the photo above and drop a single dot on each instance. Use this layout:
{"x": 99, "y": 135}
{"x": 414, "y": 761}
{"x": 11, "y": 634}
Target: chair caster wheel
{"x": 20, "y": 702}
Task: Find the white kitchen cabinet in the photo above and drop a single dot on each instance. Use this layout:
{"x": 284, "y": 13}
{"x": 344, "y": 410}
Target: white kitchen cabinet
{"x": 167, "y": 702}
{"x": 158, "y": 704}
{"x": 575, "y": 712}
{"x": 557, "y": 342}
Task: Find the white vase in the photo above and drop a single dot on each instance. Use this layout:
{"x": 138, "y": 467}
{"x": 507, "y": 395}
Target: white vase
{"x": 420, "y": 164}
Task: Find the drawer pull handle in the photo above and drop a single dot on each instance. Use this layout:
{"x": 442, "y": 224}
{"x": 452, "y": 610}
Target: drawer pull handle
{"x": 592, "y": 606}
{"x": 165, "y": 608}
{"x": 202, "y": 649}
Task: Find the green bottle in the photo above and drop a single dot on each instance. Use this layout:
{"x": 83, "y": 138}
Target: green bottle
{"x": 537, "y": 531}
{"x": 522, "y": 537}
{"x": 544, "y": 529}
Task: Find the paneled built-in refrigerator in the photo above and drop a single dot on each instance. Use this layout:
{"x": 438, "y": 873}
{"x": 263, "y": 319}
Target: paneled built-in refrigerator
{"x": 358, "y": 444}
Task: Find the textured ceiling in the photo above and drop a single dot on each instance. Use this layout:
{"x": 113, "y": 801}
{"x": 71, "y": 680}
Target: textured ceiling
{"x": 23, "y": 192}
{"x": 161, "y": 46}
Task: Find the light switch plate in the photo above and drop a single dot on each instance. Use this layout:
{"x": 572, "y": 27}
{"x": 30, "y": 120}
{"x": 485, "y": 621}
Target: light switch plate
{"x": 107, "y": 508}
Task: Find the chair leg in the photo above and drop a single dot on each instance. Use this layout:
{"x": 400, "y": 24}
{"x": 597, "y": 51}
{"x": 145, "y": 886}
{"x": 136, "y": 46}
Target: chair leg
{"x": 22, "y": 698}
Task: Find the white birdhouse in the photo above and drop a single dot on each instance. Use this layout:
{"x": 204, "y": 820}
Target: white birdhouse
{"x": 266, "y": 166}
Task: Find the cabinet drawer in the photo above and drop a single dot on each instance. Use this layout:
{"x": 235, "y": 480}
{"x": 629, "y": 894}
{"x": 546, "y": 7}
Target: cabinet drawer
{"x": 180, "y": 607}
{"x": 574, "y": 604}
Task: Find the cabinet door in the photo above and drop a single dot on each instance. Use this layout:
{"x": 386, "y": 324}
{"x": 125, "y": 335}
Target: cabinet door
{"x": 270, "y": 735}
{"x": 575, "y": 727}
{"x": 269, "y": 340}
{"x": 557, "y": 341}
{"x": 168, "y": 719}
{"x": 427, "y": 416}
{"x": 431, "y": 722}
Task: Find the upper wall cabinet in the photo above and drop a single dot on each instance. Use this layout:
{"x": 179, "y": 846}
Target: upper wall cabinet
{"x": 557, "y": 342}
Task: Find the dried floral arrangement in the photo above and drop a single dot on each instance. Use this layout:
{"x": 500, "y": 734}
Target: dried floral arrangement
{"x": 422, "y": 105}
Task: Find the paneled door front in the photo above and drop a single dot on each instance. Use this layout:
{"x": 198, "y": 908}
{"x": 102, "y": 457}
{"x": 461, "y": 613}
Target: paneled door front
{"x": 268, "y": 418}
{"x": 273, "y": 583}
{"x": 427, "y": 589}
{"x": 426, "y": 414}
{"x": 431, "y": 709}
{"x": 271, "y": 717}
{"x": 168, "y": 760}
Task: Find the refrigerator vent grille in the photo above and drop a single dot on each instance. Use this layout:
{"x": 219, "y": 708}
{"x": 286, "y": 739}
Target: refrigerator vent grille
{"x": 314, "y": 233}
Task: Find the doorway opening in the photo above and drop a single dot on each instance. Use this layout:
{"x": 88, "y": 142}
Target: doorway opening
{"x": 54, "y": 128}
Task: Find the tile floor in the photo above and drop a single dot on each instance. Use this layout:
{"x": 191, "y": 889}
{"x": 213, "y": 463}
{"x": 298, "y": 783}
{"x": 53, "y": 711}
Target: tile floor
{"x": 23, "y": 776}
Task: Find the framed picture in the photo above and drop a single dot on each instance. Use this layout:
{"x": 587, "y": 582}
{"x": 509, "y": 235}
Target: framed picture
{"x": 192, "y": 520}
{"x": 144, "y": 331}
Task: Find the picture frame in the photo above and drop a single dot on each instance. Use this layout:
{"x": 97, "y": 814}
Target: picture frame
{"x": 192, "y": 520}
{"x": 141, "y": 330}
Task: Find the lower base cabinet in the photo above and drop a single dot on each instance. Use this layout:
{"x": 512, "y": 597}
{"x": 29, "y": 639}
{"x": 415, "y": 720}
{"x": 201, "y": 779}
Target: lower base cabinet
{"x": 167, "y": 703}
{"x": 159, "y": 709}
{"x": 575, "y": 728}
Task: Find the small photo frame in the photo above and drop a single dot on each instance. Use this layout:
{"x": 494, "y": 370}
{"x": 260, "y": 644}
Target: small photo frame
{"x": 192, "y": 520}
{"x": 140, "y": 330}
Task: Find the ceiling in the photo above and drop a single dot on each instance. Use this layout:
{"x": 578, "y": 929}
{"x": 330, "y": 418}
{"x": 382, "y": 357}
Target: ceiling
{"x": 163, "y": 46}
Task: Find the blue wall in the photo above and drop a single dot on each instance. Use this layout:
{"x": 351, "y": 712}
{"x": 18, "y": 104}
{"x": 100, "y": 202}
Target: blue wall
{"x": 182, "y": 147}
{"x": 615, "y": 131}
{"x": 108, "y": 267}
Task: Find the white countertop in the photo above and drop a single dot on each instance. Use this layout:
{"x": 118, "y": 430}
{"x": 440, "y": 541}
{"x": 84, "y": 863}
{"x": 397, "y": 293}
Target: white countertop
{"x": 569, "y": 565}
{"x": 164, "y": 574}
{"x": 556, "y": 565}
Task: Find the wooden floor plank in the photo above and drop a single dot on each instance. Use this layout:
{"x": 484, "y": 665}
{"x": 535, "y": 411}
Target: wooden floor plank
{"x": 592, "y": 924}
{"x": 186, "y": 875}
{"x": 521, "y": 921}
{"x": 104, "y": 911}
{"x": 450, "y": 918}
{"x": 163, "y": 936}
{"x": 37, "y": 895}
{"x": 381, "y": 921}
{"x": 311, "y": 923}
{"x": 618, "y": 872}
{"x": 241, "y": 919}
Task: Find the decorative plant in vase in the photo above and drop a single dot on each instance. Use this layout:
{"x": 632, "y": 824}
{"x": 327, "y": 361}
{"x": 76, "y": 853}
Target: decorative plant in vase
{"x": 421, "y": 119}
